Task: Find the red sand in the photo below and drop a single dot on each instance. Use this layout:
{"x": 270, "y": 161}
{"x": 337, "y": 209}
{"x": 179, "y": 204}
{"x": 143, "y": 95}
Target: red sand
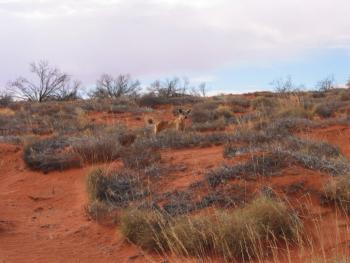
{"x": 42, "y": 217}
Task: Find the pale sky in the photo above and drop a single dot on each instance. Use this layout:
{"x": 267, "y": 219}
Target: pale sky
{"x": 234, "y": 45}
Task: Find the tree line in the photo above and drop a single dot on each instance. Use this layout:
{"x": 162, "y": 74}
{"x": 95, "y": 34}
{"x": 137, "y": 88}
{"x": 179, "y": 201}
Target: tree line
{"x": 50, "y": 83}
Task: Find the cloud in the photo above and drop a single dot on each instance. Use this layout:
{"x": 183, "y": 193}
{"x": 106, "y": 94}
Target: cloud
{"x": 159, "y": 37}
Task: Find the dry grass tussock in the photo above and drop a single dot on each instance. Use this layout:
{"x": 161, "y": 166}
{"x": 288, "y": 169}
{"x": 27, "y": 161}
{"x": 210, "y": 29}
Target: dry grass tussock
{"x": 242, "y": 234}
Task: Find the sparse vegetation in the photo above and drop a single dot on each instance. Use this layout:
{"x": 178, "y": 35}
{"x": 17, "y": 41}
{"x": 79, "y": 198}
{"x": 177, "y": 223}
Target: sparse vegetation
{"x": 116, "y": 188}
{"x": 110, "y": 87}
{"x": 51, "y": 154}
{"x": 98, "y": 149}
{"x": 228, "y": 207}
{"x": 52, "y": 84}
{"x": 242, "y": 234}
{"x": 338, "y": 192}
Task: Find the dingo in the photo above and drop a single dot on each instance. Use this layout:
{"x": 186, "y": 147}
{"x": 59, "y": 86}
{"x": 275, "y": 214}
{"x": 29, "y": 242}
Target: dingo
{"x": 178, "y": 123}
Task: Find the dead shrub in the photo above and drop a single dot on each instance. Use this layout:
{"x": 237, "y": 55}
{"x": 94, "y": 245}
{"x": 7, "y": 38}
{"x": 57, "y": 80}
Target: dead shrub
{"x": 140, "y": 157}
{"x": 98, "y": 149}
{"x": 101, "y": 212}
{"x": 266, "y": 165}
{"x": 328, "y": 109}
{"x": 51, "y": 155}
{"x": 116, "y": 188}
{"x": 337, "y": 191}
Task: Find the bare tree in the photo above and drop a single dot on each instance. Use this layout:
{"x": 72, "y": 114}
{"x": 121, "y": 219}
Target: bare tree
{"x": 170, "y": 87}
{"x": 110, "y": 87}
{"x": 69, "y": 92}
{"x": 283, "y": 85}
{"x": 202, "y": 89}
{"x": 286, "y": 86}
{"x": 326, "y": 84}
{"x": 51, "y": 82}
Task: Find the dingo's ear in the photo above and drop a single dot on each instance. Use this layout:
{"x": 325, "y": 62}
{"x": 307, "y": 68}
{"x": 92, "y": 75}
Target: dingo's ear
{"x": 188, "y": 111}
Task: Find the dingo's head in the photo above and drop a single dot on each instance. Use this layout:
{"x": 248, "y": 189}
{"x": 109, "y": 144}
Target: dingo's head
{"x": 182, "y": 114}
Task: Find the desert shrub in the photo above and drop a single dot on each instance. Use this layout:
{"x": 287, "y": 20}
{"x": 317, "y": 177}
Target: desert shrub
{"x": 98, "y": 149}
{"x": 154, "y": 170}
{"x": 294, "y": 112}
{"x": 216, "y": 125}
{"x": 285, "y": 126}
{"x": 51, "y": 154}
{"x": 144, "y": 228}
{"x": 328, "y": 109}
{"x": 344, "y": 95}
{"x": 250, "y": 231}
{"x": 231, "y": 150}
{"x": 266, "y": 165}
{"x": 191, "y": 236}
{"x": 140, "y": 157}
{"x": 313, "y": 148}
{"x": 11, "y": 139}
{"x": 318, "y": 94}
{"x": 242, "y": 234}
{"x": 152, "y": 100}
{"x": 101, "y": 212}
{"x": 238, "y": 101}
{"x": 5, "y": 99}
{"x": 204, "y": 112}
{"x": 178, "y": 203}
{"x": 334, "y": 167}
{"x": 224, "y": 112}
{"x": 230, "y": 196}
{"x": 116, "y": 188}
{"x": 337, "y": 192}
{"x": 179, "y": 140}
{"x": 264, "y": 103}
{"x": 13, "y": 125}
{"x": 126, "y": 139}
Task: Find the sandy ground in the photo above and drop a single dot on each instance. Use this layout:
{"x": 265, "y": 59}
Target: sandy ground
{"x": 42, "y": 217}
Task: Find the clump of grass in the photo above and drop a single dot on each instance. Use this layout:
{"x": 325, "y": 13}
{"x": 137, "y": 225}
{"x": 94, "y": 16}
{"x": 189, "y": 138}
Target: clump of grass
{"x": 312, "y": 148}
{"x": 144, "y": 228}
{"x": 333, "y": 259}
{"x": 238, "y": 104}
{"x": 101, "y": 212}
{"x": 216, "y": 125}
{"x": 338, "y": 192}
{"x": 180, "y": 140}
{"x": 98, "y": 149}
{"x": 285, "y": 126}
{"x": 337, "y": 166}
{"x": 266, "y": 165}
{"x": 204, "y": 112}
{"x": 140, "y": 157}
{"x": 264, "y": 103}
{"x": 51, "y": 155}
{"x": 248, "y": 232}
{"x": 242, "y": 234}
{"x": 328, "y": 109}
{"x": 116, "y": 188}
